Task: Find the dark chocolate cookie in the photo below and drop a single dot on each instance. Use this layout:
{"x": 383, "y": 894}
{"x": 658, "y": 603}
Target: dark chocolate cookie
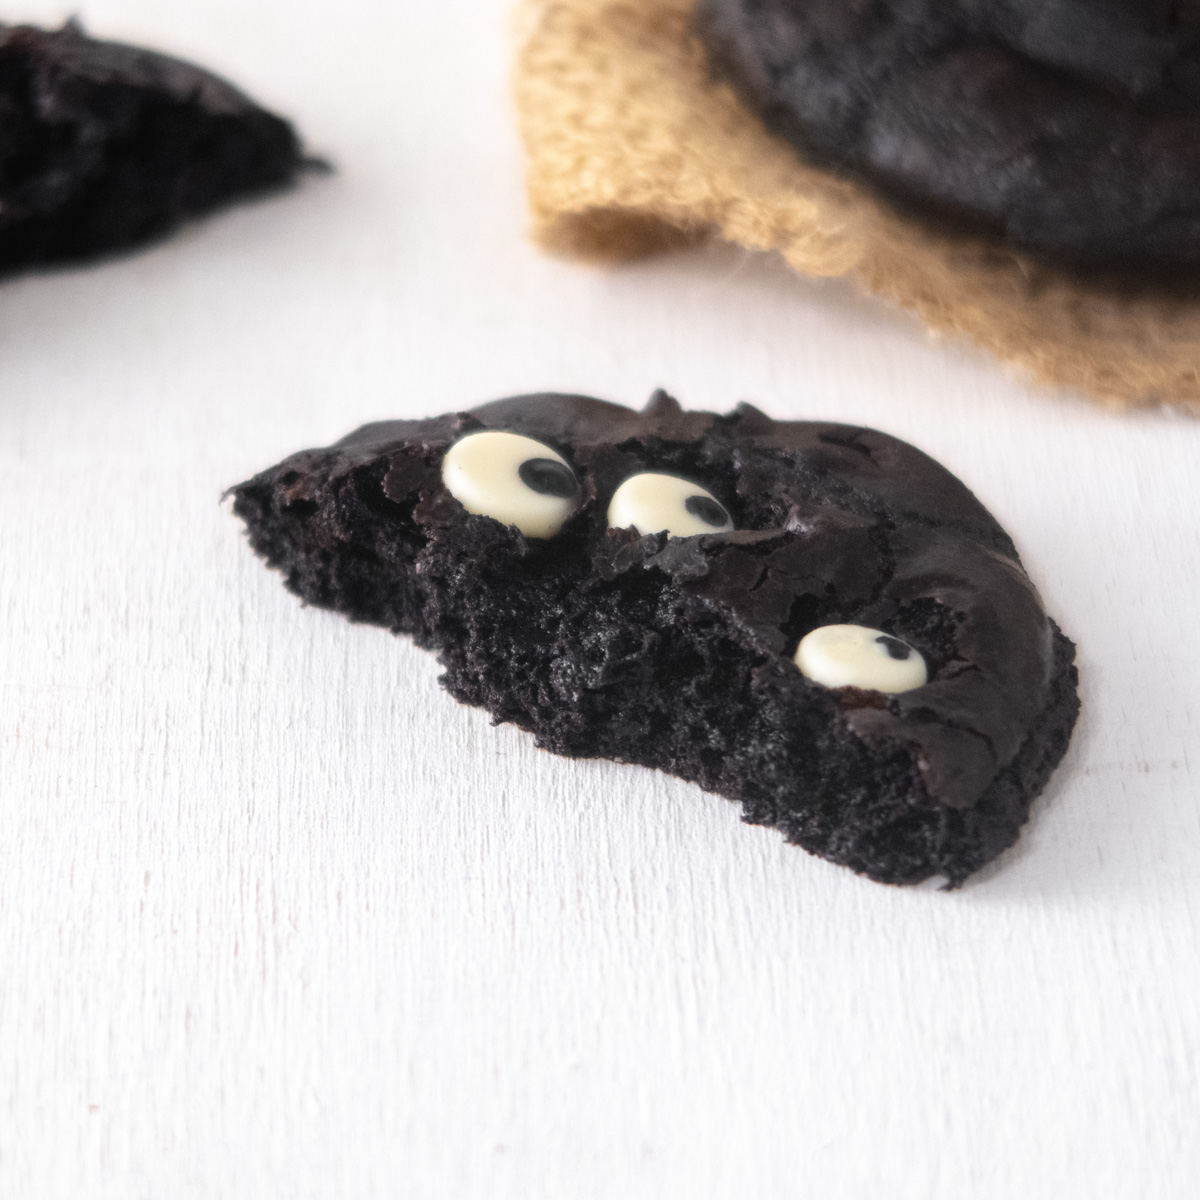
{"x": 104, "y": 146}
{"x": 815, "y": 620}
{"x": 1069, "y": 127}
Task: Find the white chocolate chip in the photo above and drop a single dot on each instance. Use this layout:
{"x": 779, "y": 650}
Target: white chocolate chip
{"x": 513, "y": 479}
{"x": 652, "y": 503}
{"x": 854, "y": 656}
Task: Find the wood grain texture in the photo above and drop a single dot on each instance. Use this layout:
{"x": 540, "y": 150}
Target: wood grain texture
{"x": 279, "y": 919}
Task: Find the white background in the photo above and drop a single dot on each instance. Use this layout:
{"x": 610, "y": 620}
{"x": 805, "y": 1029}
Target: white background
{"x": 280, "y": 919}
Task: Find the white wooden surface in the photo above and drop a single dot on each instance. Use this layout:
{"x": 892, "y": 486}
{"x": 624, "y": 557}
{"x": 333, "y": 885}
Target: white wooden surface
{"x": 279, "y": 919}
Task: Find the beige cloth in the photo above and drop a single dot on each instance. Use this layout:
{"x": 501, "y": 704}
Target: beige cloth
{"x": 632, "y": 149}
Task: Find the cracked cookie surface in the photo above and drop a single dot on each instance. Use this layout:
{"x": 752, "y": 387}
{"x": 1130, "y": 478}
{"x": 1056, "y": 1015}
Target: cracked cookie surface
{"x": 677, "y": 652}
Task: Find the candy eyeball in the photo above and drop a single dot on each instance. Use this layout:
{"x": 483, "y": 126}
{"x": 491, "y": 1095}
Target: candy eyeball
{"x": 652, "y": 503}
{"x": 854, "y": 656}
{"x": 513, "y": 479}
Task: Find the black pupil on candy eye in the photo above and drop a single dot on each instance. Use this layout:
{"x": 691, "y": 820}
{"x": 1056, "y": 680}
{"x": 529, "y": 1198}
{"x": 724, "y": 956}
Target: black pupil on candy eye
{"x": 895, "y": 647}
{"x": 548, "y": 477}
{"x": 707, "y": 509}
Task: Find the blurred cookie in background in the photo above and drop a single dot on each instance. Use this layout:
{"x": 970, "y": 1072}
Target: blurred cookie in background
{"x": 649, "y": 126}
{"x": 105, "y": 147}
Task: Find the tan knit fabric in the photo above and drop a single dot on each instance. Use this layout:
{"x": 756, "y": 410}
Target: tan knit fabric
{"x": 632, "y": 149}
